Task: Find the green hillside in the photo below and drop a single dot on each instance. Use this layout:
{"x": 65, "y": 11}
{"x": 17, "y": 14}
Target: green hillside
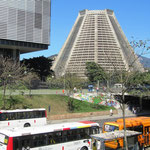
{"x": 57, "y": 103}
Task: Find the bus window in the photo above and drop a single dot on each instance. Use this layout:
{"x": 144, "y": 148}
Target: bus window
{"x": 110, "y": 128}
{"x": 64, "y": 136}
{"x": 129, "y": 128}
{"x": 27, "y": 115}
{"x": 87, "y": 131}
{"x": 39, "y": 140}
{"x": 82, "y": 133}
{"x": 23, "y": 115}
{"x": 3, "y": 139}
{"x": 70, "y": 135}
{"x": 58, "y": 137}
{"x": 35, "y": 141}
{"x": 37, "y": 114}
{"x": 42, "y": 114}
{"x": 138, "y": 128}
{"x": 15, "y": 144}
{"x": 2, "y": 117}
{"x": 19, "y": 115}
{"x": 51, "y": 139}
{"x": 146, "y": 130}
{"x": 13, "y": 116}
{"x": 32, "y": 114}
{"x": 25, "y": 143}
{"x": 7, "y": 116}
{"x": 21, "y": 143}
{"x": 94, "y": 130}
{"x": 78, "y": 136}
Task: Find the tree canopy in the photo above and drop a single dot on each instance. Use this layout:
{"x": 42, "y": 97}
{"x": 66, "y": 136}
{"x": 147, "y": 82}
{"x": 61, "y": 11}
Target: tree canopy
{"x": 95, "y": 72}
{"x": 11, "y": 74}
{"x": 139, "y": 78}
{"x": 39, "y": 65}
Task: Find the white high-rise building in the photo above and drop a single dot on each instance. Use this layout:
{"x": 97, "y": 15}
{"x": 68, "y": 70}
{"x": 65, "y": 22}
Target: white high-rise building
{"x": 96, "y": 36}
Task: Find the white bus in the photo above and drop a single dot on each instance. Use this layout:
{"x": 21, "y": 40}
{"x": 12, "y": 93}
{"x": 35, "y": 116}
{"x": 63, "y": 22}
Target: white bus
{"x": 65, "y": 136}
{"x": 23, "y": 117}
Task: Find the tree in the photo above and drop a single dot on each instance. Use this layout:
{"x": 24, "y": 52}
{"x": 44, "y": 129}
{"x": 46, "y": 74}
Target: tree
{"x": 72, "y": 81}
{"x": 139, "y": 85}
{"x": 126, "y": 78}
{"x": 95, "y": 72}
{"x": 56, "y": 83}
{"x": 29, "y": 80}
{"x": 39, "y": 65}
{"x": 11, "y": 73}
{"x": 68, "y": 82}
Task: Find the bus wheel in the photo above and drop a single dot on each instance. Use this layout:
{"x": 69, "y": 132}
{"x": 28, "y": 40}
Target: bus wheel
{"x": 84, "y": 148}
{"x": 27, "y": 125}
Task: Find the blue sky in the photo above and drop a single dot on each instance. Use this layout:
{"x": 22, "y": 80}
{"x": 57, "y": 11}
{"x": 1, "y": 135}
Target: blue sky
{"x": 132, "y": 15}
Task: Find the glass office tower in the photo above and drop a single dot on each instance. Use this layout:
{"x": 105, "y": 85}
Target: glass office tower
{"x": 24, "y": 26}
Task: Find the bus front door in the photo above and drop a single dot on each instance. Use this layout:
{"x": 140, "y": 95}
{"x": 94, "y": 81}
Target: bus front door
{"x": 24, "y": 143}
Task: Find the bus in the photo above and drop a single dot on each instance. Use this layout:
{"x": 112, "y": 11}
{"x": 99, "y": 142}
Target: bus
{"x": 140, "y": 124}
{"x": 23, "y": 117}
{"x": 64, "y": 136}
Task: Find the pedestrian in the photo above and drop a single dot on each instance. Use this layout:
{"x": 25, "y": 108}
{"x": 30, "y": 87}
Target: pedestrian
{"x": 94, "y": 146}
{"x": 80, "y": 90}
{"x": 97, "y": 89}
{"x": 134, "y": 110}
{"x": 75, "y": 89}
{"x": 111, "y": 112}
{"x": 63, "y": 91}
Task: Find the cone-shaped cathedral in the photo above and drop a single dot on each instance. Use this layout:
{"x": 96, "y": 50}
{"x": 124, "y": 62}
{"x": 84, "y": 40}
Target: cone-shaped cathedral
{"x": 96, "y": 37}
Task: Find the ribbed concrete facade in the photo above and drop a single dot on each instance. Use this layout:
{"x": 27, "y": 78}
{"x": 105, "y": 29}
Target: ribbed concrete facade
{"x": 24, "y": 25}
{"x": 96, "y": 37}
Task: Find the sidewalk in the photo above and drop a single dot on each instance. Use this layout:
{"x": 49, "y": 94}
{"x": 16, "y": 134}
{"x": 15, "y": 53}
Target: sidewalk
{"x": 119, "y": 115}
{"x": 88, "y": 118}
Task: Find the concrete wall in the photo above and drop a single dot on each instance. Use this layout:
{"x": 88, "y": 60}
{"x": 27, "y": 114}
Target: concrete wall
{"x": 79, "y": 115}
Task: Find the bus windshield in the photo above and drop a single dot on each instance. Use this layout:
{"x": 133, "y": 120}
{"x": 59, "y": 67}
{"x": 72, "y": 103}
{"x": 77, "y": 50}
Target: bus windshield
{"x": 110, "y": 128}
{"x": 3, "y": 139}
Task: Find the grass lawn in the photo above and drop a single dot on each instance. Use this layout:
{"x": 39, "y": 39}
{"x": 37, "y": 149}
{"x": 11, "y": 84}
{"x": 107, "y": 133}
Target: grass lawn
{"x": 58, "y": 104}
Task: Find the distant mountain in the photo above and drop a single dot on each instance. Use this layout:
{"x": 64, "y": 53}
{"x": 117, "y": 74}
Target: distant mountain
{"x": 52, "y": 56}
{"x": 145, "y": 61}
